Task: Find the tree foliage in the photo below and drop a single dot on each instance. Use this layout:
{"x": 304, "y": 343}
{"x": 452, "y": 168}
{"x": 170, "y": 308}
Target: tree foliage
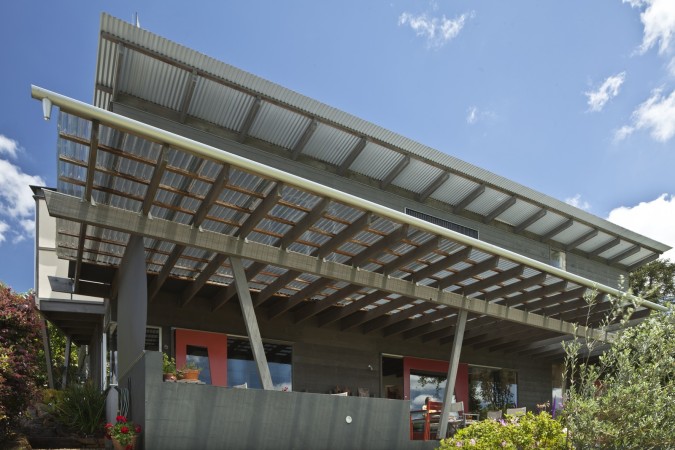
{"x": 654, "y": 281}
{"x": 19, "y": 346}
{"x": 627, "y": 398}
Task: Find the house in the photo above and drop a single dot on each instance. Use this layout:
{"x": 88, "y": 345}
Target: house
{"x": 296, "y": 250}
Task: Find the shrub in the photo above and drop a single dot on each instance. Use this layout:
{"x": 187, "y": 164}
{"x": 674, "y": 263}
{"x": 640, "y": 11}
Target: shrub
{"x": 627, "y": 398}
{"x": 19, "y": 345}
{"x": 522, "y": 433}
{"x": 81, "y": 408}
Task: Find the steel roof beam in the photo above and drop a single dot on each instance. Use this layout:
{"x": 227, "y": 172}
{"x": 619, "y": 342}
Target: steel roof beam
{"x": 411, "y": 324}
{"x": 529, "y": 221}
{"x": 323, "y": 304}
{"x": 499, "y": 210}
{"x": 275, "y": 286}
{"x": 494, "y": 280}
{"x": 304, "y": 224}
{"x": 304, "y": 139}
{"x": 433, "y": 187}
{"x": 156, "y": 285}
{"x": 514, "y": 287}
{"x": 187, "y": 95}
{"x": 378, "y": 247}
{"x": 414, "y": 254}
{"x": 250, "y": 118}
{"x": 213, "y": 194}
{"x": 535, "y": 293}
{"x": 625, "y": 254}
{"x": 442, "y": 264}
{"x": 226, "y": 294}
{"x": 283, "y": 305}
{"x": 395, "y": 172}
{"x": 347, "y": 310}
{"x": 260, "y": 212}
{"x": 345, "y": 234}
{"x": 604, "y": 247}
{"x": 586, "y": 237}
{"x": 351, "y": 157}
{"x": 390, "y": 319}
{"x": 153, "y": 186}
{"x": 476, "y": 269}
{"x": 365, "y": 316}
{"x": 212, "y": 267}
{"x": 466, "y": 201}
{"x": 557, "y": 230}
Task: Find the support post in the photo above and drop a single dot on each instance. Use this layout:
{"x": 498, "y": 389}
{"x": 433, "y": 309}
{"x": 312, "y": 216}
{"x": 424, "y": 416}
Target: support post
{"x": 46, "y": 344}
{"x": 132, "y": 305}
{"x": 244, "y": 294}
{"x": 452, "y": 371}
{"x": 66, "y": 364}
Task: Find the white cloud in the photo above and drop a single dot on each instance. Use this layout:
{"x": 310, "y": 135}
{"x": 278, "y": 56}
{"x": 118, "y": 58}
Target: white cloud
{"x": 659, "y": 22}
{"x": 577, "y": 202}
{"x": 656, "y": 114}
{"x": 608, "y": 90}
{"x": 17, "y": 206}
{"x": 654, "y": 219}
{"x": 472, "y": 115}
{"x": 8, "y": 146}
{"x": 437, "y": 30}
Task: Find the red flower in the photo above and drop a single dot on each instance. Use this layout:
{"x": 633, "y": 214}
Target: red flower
{"x": 129, "y": 447}
{"x": 121, "y": 419}
{"x": 124, "y": 430}
{"x": 137, "y": 429}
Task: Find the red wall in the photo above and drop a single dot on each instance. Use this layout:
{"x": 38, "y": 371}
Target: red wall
{"x": 441, "y": 367}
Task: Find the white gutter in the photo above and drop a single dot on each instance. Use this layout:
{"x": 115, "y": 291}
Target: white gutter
{"x": 87, "y": 111}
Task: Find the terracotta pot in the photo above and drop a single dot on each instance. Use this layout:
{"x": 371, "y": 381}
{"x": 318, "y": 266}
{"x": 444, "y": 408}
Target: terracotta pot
{"x": 190, "y": 374}
{"x": 169, "y": 377}
{"x": 119, "y": 446}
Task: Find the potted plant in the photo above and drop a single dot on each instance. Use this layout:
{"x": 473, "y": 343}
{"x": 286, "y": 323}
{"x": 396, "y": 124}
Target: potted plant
{"x": 123, "y": 433}
{"x": 189, "y": 371}
{"x": 169, "y": 368}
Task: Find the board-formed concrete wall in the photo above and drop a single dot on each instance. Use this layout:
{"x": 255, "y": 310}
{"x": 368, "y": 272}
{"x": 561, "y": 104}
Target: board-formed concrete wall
{"x": 192, "y": 416}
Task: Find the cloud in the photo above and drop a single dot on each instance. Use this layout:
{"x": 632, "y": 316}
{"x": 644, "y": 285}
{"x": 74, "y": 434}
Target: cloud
{"x": 474, "y": 114}
{"x": 577, "y": 202}
{"x": 608, "y": 90}
{"x": 8, "y": 146}
{"x": 659, "y": 23}
{"x": 656, "y": 114}
{"x": 17, "y": 207}
{"x": 437, "y": 30}
{"x": 654, "y": 219}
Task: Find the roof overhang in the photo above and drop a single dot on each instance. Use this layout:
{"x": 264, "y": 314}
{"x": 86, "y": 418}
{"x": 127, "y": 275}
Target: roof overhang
{"x": 310, "y": 251}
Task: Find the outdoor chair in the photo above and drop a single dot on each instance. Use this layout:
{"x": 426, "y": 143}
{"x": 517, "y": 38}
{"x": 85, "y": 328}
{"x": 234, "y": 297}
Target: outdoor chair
{"x": 430, "y": 419}
{"x": 494, "y": 415}
{"x": 516, "y": 412}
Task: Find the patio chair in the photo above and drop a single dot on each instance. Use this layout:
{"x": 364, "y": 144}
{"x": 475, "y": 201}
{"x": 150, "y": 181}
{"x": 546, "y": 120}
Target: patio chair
{"x": 494, "y": 415}
{"x": 431, "y": 416}
{"x": 516, "y": 412}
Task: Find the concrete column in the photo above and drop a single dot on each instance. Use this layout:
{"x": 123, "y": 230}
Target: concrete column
{"x": 46, "y": 345}
{"x": 132, "y": 305}
{"x": 66, "y": 364}
{"x": 452, "y": 371}
{"x": 244, "y": 294}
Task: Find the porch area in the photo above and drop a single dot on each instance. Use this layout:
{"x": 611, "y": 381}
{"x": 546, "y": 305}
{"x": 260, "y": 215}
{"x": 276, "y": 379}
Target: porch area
{"x": 178, "y": 416}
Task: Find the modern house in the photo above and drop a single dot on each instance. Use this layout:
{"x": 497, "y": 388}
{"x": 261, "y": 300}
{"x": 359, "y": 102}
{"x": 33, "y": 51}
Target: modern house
{"x": 299, "y": 251}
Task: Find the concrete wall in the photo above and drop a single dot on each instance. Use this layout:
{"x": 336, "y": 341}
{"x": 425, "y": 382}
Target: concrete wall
{"x": 326, "y": 357}
{"x": 180, "y": 416}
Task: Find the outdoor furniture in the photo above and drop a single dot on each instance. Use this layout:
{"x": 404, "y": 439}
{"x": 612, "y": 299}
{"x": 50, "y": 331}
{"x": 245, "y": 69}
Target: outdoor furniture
{"x": 517, "y": 412}
{"x": 494, "y": 415}
{"x": 428, "y": 419}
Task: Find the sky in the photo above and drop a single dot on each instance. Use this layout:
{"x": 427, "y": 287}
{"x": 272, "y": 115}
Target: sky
{"x": 575, "y": 99}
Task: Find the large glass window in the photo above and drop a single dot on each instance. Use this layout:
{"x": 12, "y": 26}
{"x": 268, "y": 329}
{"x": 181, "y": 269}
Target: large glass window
{"x": 492, "y": 388}
{"x": 242, "y": 370}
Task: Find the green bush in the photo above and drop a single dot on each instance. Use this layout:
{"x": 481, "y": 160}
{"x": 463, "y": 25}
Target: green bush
{"x": 80, "y": 408}
{"x": 522, "y": 433}
{"x": 19, "y": 345}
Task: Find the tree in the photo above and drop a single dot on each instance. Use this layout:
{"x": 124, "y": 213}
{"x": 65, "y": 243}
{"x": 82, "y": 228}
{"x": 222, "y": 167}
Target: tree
{"x": 625, "y": 399}
{"x": 654, "y": 281}
{"x": 19, "y": 345}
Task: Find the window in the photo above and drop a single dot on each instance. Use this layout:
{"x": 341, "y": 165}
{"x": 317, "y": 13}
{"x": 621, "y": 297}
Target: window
{"x": 492, "y": 388}
{"x": 242, "y": 370}
{"x": 558, "y": 259}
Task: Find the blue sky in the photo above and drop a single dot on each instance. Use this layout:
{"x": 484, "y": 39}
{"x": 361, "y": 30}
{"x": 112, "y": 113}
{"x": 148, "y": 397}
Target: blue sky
{"x": 573, "y": 98}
